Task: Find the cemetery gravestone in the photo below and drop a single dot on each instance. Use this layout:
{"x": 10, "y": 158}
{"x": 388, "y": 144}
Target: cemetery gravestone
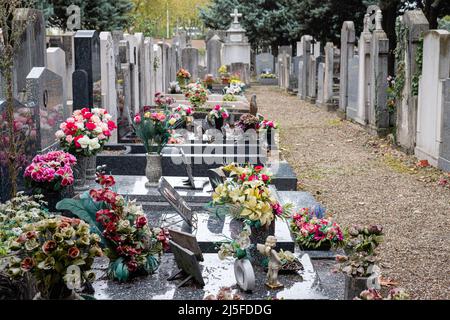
{"x": 236, "y": 48}
{"x": 435, "y": 75}
{"x": 134, "y": 72}
{"x": 364, "y": 74}
{"x": 264, "y": 61}
{"x": 87, "y": 58}
{"x": 66, "y": 43}
{"x": 108, "y": 79}
{"x": 189, "y": 61}
{"x": 378, "y": 113}
{"x": 45, "y": 95}
{"x": 416, "y": 24}
{"x": 56, "y": 62}
{"x": 157, "y": 67}
{"x": 31, "y": 52}
{"x": 347, "y": 49}
{"x": 444, "y": 151}
{"x": 306, "y": 45}
{"x": 214, "y": 58}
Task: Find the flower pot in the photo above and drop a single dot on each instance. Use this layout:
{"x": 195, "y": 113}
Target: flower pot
{"x": 259, "y": 236}
{"x": 354, "y": 286}
{"x": 219, "y": 123}
{"x": 79, "y": 174}
{"x": 57, "y": 291}
{"x": 324, "y": 246}
{"x": 52, "y": 198}
{"x": 153, "y": 171}
{"x": 269, "y": 139}
{"x": 91, "y": 169}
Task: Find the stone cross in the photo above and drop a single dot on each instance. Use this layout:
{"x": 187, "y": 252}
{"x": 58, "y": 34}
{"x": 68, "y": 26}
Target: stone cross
{"x": 236, "y": 15}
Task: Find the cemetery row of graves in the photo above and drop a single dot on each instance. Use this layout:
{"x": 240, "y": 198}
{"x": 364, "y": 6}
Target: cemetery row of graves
{"x": 159, "y": 173}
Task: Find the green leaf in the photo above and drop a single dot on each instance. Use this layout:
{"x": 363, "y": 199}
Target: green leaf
{"x": 78, "y": 208}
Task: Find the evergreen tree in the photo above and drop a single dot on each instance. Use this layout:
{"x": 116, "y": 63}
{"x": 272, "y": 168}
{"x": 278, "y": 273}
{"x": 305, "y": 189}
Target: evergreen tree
{"x": 102, "y": 15}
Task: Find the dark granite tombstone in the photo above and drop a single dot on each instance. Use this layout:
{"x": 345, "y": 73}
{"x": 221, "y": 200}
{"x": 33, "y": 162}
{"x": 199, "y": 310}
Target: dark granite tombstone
{"x": 31, "y": 52}
{"x": 87, "y": 58}
{"x": 253, "y": 105}
{"x": 80, "y": 89}
{"x": 216, "y": 177}
{"x": 25, "y": 122}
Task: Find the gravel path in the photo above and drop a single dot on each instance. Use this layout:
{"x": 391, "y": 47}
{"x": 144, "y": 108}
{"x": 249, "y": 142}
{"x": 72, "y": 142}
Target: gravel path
{"x": 361, "y": 179}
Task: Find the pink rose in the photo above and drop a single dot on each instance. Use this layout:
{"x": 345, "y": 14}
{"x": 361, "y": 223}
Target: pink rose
{"x": 217, "y": 107}
{"x": 69, "y": 139}
{"x": 137, "y": 119}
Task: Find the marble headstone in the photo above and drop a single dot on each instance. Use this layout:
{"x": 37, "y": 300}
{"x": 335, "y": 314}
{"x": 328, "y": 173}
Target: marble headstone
{"x": 347, "y": 50}
{"x": 189, "y": 61}
{"x": 214, "y": 55}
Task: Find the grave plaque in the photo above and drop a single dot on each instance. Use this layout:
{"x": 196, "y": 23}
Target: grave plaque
{"x": 187, "y": 263}
{"x": 188, "y": 241}
{"x": 177, "y": 202}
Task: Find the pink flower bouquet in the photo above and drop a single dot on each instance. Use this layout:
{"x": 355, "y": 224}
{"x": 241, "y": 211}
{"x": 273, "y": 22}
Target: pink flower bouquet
{"x": 51, "y": 171}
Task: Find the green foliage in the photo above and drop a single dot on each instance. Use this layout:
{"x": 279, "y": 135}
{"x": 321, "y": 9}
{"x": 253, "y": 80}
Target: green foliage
{"x": 282, "y": 22}
{"x": 85, "y": 209}
{"x": 418, "y": 73}
{"x": 444, "y": 23}
{"x": 102, "y": 15}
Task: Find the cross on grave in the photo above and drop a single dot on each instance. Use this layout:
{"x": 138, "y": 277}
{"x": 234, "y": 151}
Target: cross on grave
{"x": 236, "y": 15}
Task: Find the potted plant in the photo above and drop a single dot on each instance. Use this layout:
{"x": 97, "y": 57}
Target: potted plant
{"x": 83, "y": 135}
{"x": 248, "y": 122}
{"x": 247, "y": 197}
{"x": 218, "y": 115}
{"x": 361, "y": 260}
{"x": 51, "y": 174}
{"x": 313, "y": 233}
{"x": 183, "y": 77}
{"x": 209, "y": 80}
{"x": 58, "y": 252}
{"x": 224, "y": 75}
{"x": 268, "y": 127}
{"x": 153, "y": 128}
{"x": 132, "y": 247}
{"x": 196, "y": 94}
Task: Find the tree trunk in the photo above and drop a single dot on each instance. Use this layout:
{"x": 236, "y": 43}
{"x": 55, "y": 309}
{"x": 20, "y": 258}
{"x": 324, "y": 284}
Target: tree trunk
{"x": 12, "y": 149}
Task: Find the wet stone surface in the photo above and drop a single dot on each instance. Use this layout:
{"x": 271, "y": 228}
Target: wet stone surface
{"x": 216, "y": 273}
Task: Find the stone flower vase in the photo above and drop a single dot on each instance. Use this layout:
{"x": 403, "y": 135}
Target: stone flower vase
{"x": 91, "y": 169}
{"x": 57, "y": 291}
{"x": 218, "y": 123}
{"x": 259, "y": 235}
{"x": 269, "y": 139}
{"x": 354, "y": 286}
{"x": 153, "y": 171}
{"x": 245, "y": 276}
{"x": 79, "y": 174}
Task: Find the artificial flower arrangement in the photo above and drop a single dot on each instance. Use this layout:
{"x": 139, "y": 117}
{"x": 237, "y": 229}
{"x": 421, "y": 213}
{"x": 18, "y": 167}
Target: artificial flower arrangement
{"x": 241, "y": 174}
{"x": 132, "y": 247}
{"x": 248, "y": 121}
{"x": 360, "y": 248}
{"x": 58, "y": 252}
{"x": 393, "y": 294}
{"x": 51, "y": 171}
{"x": 249, "y": 199}
{"x": 236, "y": 248}
{"x": 197, "y": 94}
{"x": 312, "y": 232}
{"x": 224, "y": 75}
{"x": 185, "y": 112}
{"x": 162, "y": 101}
{"x": 86, "y": 131}
{"x": 218, "y": 112}
{"x": 229, "y": 97}
{"x": 267, "y": 125}
{"x": 268, "y": 76}
{"x": 153, "y": 128}
{"x": 209, "y": 80}
{"x": 15, "y": 214}
{"x": 183, "y": 74}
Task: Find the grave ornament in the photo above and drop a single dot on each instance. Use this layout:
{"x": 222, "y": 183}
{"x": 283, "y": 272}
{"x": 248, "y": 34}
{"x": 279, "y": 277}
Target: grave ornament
{"x": 275, "y": 263}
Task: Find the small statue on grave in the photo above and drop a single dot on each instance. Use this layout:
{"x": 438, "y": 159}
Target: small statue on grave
{"x": 275, "y": 263}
